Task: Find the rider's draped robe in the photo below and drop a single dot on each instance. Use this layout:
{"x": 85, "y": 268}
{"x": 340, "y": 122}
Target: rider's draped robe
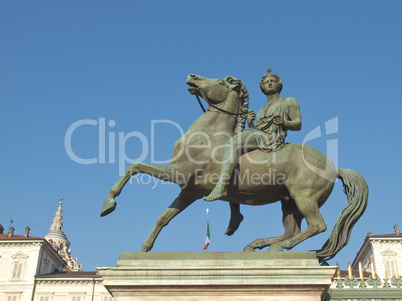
{"x": 270, "y": 136}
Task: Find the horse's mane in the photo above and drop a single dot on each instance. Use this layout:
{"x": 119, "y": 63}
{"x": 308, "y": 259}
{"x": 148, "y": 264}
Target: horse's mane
{"x": 243, "y": 94}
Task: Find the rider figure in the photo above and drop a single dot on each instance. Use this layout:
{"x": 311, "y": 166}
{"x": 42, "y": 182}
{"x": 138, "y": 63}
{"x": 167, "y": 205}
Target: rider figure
{"x": 273, "y": 121}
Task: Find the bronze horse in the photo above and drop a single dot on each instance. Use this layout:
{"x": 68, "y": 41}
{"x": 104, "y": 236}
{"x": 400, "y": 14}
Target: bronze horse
{"x": 306, "y": 175}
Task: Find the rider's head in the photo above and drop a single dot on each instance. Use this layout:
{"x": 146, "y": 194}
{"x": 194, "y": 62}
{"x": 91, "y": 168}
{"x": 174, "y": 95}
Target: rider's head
{"x": 265, "y": 77}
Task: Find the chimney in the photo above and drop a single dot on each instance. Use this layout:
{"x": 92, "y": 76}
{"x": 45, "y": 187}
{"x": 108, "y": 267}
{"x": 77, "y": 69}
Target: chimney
{"x": 396, "y": 227}
{"x": 11, "y": 232}
{"x": 26, "y": 234}
{"x": 1, "y": 229}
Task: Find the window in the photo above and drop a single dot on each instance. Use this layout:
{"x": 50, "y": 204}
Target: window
{"x": 17, "y": 266}
{"x": 17, "y": 270}
{"x": 389, "y": 259}
{"x": 107, "y": 298}
{"x": 76, "y": 298}
{"x": 390, "y": 267}
{"x": 12, "y": 298}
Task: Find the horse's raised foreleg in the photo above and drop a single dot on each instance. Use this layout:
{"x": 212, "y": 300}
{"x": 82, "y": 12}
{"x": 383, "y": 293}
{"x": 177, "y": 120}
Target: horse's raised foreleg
{"x": 163, "y": 172}
{"x": 291, "y": 221}
{"x": 180, "y": 203}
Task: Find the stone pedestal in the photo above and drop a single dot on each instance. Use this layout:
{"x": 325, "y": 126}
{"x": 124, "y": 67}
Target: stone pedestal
{"x": 217, "y": 276}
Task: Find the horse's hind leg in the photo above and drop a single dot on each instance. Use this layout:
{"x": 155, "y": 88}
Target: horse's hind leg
{"x": 315, "y": 224}
{"x": 163, "y": 172}
{"x": 182, "y": 201}
{"x": 291, "y": 221}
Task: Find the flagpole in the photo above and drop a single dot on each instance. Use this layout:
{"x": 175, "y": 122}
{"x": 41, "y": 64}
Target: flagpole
{"x": 208, "y": 235}
{"x": 207, "y": 227}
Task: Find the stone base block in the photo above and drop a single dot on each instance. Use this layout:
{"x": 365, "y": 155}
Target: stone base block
{"x": 217, "y": 276}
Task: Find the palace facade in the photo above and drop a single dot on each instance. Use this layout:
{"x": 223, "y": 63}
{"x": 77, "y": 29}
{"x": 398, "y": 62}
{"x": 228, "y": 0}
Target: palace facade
{"x": 42, "y": 268}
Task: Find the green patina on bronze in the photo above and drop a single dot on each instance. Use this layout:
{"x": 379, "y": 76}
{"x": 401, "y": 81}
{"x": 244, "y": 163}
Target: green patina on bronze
{"x": 299, "y": 176}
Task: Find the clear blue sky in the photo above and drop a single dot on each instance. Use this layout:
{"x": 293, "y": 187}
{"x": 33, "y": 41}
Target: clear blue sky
{"x": 127, "y": 62}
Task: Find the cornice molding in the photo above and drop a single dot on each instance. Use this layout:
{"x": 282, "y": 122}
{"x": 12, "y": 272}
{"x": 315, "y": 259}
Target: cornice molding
{"x": 20, "y": 244}
{"x": 68, "y": 282}
{"x": 384, "y": 241}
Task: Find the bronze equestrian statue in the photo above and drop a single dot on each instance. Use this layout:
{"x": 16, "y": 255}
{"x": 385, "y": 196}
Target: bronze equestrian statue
{"x": 305, "y": 178}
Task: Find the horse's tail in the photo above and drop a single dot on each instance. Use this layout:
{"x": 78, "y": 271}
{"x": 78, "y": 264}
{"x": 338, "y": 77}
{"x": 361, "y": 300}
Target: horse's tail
{"x": 356, "y": 190}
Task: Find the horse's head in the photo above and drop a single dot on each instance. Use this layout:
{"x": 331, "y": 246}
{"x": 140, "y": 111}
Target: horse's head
{"x": 217, "y": 91}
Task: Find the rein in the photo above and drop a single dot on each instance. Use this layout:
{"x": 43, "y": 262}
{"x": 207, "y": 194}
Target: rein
{"x": 219, "y": 109}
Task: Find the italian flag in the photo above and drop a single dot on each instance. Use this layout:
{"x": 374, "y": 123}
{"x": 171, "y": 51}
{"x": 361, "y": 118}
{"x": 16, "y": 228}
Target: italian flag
{"x": 208, "y": 234}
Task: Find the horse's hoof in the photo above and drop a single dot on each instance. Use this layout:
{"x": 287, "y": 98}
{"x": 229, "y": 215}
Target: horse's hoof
{"x": 248, "y": 249}
{"x": 145, "y": 248}
{"x": 108, "y": 206}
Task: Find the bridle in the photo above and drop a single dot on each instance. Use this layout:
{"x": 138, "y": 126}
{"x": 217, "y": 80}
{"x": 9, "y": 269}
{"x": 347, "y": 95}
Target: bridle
{"x": 212, "y": 105}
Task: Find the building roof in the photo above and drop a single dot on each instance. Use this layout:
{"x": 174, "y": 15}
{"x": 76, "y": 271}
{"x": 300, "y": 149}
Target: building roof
{"x": 5, "y": 236}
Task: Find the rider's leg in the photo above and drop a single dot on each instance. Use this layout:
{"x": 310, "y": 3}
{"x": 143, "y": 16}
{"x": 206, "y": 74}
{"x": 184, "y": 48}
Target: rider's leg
{"x": 238, "y": 144}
